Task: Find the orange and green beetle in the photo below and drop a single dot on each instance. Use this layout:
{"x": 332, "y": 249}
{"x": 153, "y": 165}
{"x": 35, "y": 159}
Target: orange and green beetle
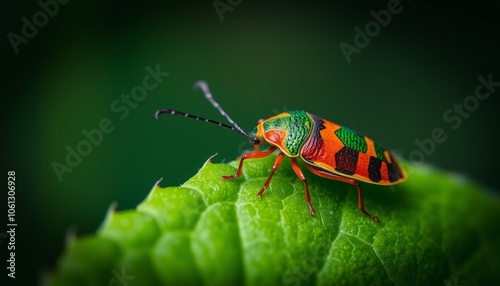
{"x": 329, "y": 150}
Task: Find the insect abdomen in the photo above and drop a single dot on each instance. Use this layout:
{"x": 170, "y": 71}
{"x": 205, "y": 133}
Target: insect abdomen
{"x": 342, "y": 151}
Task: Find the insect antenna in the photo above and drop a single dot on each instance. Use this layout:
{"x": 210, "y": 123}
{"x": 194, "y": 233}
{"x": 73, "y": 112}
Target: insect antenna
{"x": 183, "y": 114}
{"x": 208, "y": 95}
{"x": 204, "y": 87}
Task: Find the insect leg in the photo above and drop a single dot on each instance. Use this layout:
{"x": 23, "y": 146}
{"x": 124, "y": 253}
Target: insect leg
{"x": 301, "y": 176}
{"x": 275, "y": 168}
{"x": 256, "y": 148}
{"x": 331, "y": 176}
{"x": 250, "y": 156}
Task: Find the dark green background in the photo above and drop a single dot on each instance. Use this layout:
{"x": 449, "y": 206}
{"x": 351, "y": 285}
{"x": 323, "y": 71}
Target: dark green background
{"x": 264, "y": 58}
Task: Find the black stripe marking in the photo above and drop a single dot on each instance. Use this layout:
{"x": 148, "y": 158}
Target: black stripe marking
{"x": 394, "y": 171}
{"x": 374, "y": 169}
{"x": 346, "y": 160}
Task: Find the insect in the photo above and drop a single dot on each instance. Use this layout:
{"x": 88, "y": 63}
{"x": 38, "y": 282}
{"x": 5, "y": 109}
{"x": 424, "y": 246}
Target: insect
{"x": 329, "y": 150}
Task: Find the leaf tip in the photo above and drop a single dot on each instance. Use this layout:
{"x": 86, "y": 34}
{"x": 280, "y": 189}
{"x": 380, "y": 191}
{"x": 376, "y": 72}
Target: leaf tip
{"x": 209, "y": 160}
{"x": 111, "y": 209}
{"x": 157, "y": 184}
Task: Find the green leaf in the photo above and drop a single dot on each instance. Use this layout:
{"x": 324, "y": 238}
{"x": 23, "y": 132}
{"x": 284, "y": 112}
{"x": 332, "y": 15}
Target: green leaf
{"x": 437, "y": 229}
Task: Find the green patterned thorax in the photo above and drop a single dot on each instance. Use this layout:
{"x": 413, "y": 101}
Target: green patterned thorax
{"x": 352, "y": 139}
{"x": 299, "y": 126}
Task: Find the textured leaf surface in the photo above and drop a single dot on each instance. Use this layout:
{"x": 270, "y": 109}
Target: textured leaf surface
{"x": 437, "y": 229}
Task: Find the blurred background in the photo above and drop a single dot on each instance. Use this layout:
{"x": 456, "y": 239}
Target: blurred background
{"x": 75, "y": 71}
